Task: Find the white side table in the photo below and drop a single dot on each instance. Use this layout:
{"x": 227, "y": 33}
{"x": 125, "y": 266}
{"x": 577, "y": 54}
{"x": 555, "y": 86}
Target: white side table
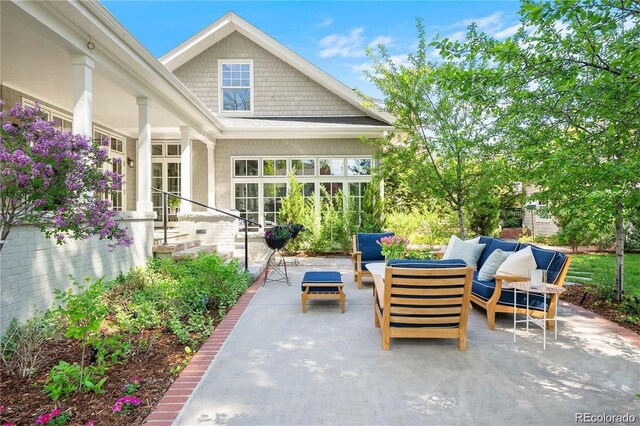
{"x": 545, "y": 290}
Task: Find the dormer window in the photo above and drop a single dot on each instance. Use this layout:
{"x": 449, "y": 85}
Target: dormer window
{"x": 236, "y": 86}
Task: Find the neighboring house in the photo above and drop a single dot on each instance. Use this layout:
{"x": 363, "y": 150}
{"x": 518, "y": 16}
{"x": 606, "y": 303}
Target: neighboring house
{"x": 535, "y": 220}
{"x": 221, "y": 119}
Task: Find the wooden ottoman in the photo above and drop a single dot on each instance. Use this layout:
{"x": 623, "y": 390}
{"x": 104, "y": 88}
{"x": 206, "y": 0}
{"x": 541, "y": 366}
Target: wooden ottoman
{"x": 322, "y": 285}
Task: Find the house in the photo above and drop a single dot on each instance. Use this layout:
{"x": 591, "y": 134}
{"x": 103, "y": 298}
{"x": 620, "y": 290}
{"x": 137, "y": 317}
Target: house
{"x": 221, "y": 119}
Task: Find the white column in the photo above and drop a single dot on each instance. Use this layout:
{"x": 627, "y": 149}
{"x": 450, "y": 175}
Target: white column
{"x": 211, "y": 175}
{"x": 185, "y": 169}
{"x": 82, "y": 67}
{"x": 143, "y": 161}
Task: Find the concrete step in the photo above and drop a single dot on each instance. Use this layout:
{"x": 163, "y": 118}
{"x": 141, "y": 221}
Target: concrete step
{"x": 171, "y": 248}
{"x": 192, "y": 252}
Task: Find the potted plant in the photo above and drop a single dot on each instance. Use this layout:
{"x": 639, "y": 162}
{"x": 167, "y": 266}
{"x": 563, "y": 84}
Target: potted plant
{"x": 277, "y": 236}
{"x": 393, "y": 247}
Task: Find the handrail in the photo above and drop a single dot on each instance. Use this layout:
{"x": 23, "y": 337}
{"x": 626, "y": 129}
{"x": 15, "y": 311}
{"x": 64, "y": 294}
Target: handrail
{"x": 165, "y": 214}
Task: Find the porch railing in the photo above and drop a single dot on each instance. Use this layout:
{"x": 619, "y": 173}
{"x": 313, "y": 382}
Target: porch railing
{"x": 165, "y": 214}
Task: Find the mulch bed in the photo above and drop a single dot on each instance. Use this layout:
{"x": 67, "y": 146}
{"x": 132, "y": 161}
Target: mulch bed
{"x": 24, "y": 400}
{"x": 585, "y": 296}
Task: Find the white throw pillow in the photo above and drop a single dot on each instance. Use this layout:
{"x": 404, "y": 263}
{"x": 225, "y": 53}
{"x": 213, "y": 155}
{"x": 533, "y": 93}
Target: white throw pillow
{"x": 469, "y": 252}
{"x": 518, "y": 264}
{"x": 492, "y": 264}
{"x": 447, "y": 252}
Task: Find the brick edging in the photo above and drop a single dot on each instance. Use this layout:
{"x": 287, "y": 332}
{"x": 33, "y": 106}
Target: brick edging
{"x": 608, "y": 324}
{"x": 174, "y": 399}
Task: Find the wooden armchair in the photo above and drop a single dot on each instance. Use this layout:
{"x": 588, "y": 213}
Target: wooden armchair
{"x": 428, "y": 299}
{"x": 365, "y": 250}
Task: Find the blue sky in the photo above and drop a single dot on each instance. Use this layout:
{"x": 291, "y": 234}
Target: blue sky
{"x": 332, "y": 35}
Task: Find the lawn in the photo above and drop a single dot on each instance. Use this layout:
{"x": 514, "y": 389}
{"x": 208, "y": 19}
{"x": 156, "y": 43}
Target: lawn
{"x": 601, "y": 269}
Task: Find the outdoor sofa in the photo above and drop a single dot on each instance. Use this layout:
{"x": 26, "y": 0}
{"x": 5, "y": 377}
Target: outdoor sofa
{"x": 491, "y": 293}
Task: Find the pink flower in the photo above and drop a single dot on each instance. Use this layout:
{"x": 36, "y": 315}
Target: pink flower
{"x": 90, "y": 423}
{"x": 43, "y": 419}
{"x": 55, "y": 413}
{"x": 135, "y": 380}
{"x": 1, "y": 409}
{"x": 117, "y": 408}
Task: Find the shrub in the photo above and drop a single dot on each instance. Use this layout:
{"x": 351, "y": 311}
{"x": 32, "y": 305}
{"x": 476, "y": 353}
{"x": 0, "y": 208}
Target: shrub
{"x": 423, "y": 226}
{"x": 20, "y": 346}
{"x": 484, "y": 216}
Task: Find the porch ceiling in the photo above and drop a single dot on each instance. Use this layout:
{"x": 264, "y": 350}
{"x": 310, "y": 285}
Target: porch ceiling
{"x": 36, "y": 61}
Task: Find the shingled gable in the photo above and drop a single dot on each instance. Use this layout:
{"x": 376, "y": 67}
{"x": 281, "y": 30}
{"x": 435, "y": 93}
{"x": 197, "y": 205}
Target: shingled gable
{"x": 230, "y": 23}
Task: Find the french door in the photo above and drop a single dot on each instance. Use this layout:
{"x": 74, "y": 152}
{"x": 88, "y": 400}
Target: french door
{"x": 165, "y": 175}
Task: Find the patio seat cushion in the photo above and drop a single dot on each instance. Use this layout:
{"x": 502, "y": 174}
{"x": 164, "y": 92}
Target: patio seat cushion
{"x": 494, "y": 244}
{"x": 367, "y": 245}
{"x": 482, "y": 288}
{"x": 550, "y": 260}
{"x": 427, "y": 263}
{"x": 321, "y": 277}
{"x": 485, "y": 288}
{"x": 367, "y": 262}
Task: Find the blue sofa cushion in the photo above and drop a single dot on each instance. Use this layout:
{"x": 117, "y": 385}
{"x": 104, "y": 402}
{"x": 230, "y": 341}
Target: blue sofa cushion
{"x": 536, "y": 301}
{"x": 494, "y": 245}
{"x": 485, "y": 289}
{"x": 481, "y": 288}
{"x": 321, "y": 277}
{"x": 550, "y": 260}
{"x": 427, "y": 263}
{"x": 366, "y": 244}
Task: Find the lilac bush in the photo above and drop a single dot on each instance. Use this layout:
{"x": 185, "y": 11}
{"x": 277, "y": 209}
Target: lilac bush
{"x": 55, "y": 180}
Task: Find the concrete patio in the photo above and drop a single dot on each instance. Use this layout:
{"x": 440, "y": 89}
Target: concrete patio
{"x": 280, "y": 366}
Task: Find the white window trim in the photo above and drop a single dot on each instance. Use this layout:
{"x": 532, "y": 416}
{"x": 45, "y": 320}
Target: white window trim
{"x": 251, "y": 88}
{"x": 112, "y": 135}
{"x": 122, "y": 156}
{"x": 164, "y": 144}
{"x": 316, "y": 179}
{"x": 51, "y": 112}
{"x": 309, "y": 157}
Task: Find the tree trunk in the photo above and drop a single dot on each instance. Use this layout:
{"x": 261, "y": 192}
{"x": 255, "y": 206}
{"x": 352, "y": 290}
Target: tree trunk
{"x": 619, "y": 253}
{"x": 4, "y": 233}
{"x": 461, "y": 223}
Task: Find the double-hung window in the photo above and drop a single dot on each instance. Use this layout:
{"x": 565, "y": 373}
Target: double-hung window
{"x": 236, "y": 86}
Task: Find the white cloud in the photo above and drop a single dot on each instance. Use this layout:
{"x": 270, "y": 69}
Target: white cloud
{"x": 507, "y": 32}
{"x": 361, "y": 68}
{"x": 386, "y": 41}
{"x": 325, "y": 23}
{"x": 457, "y": 36}
{"x": 398, "y": 60}
{"x": 488, "y": 22}
{"x": 347, "y": 46}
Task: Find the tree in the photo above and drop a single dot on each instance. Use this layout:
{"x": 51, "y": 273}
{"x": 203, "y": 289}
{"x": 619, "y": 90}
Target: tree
{"x": 572, "y": 75}
{"x": 443, "y": 144}
{"x": 54, "y": 180}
